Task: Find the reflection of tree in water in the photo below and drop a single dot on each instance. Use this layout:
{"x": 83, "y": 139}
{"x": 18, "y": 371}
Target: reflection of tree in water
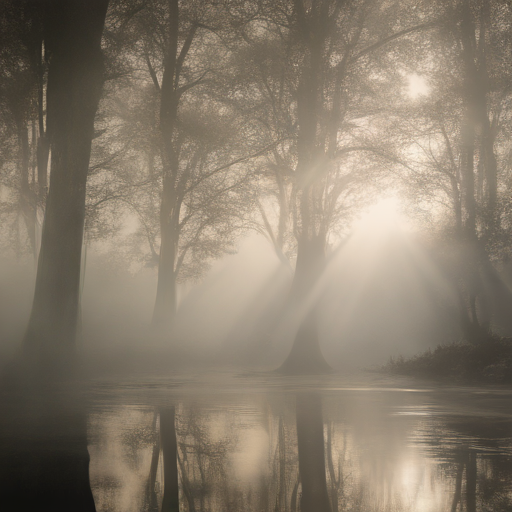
{"x": 44, "y": 462}
{"x": 120, "y": 442}
{"x": 495, "y": 483}
{"x": 150, "y": 489}
{"x": 310, "y": 441}
{"x": 279, "y": 480}
{"x": 201, "y": 463}
{"x": 474, "y": 462}
{"x": 202, "y": 459}
{"x": 476, "y": 480}
{"x": 336, "y": 476}
{"x": 427, "y": 463}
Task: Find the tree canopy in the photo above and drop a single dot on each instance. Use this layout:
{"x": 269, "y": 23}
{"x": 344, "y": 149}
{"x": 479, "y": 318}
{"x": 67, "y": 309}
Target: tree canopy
{"x": 215, "y": 119}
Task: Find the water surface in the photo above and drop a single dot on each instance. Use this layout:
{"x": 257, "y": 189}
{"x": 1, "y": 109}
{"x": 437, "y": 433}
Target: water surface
{"x": 386, "y": 444}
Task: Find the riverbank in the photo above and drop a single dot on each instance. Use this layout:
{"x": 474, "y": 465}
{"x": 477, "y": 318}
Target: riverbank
{"x": 489, "y": 362}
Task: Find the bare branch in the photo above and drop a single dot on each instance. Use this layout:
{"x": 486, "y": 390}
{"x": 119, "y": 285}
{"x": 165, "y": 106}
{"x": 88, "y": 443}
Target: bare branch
{"x": 188, "y": 86}
{"x": 183, "y": 53}
{"x": 392, "y": 37}
{"x": 233, "y": 162}
{"x": 152, "y": 72}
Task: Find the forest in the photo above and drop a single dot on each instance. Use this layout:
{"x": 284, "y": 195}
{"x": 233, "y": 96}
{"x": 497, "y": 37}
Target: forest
{"x": 172, "y": 130}
{"x": 311, "y": 184}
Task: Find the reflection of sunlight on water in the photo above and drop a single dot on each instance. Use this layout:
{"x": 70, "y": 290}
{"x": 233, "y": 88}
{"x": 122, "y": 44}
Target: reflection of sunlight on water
{"x": 248, "y": 461}
{"x": 120, "y": 451}
{"x": 419, "y": 486}
{"x": 387, "y": 449}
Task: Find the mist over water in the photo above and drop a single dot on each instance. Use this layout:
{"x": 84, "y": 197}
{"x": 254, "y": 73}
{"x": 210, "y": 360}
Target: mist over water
{"x": 243, "y": 433}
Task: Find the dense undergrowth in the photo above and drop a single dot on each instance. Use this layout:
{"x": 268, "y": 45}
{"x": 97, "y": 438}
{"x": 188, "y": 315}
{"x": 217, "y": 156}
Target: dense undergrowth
{"x": 487, "y": 362}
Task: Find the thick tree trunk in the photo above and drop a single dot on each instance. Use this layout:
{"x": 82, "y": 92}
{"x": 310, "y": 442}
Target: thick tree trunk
{"x": 305, "y": 356}
{"x": 474, "y": 122}
{"x": 165, "y": 303}
{"x": 73, "y": 31}
{"x": 310, "y": 439}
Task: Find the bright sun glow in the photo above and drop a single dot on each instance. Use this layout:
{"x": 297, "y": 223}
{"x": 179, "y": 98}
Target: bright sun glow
{"x": 382, "y": 217}
{"x": 417, "y": 86}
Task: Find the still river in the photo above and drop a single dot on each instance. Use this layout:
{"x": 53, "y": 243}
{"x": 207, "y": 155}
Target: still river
{"x": 384, "y": 444}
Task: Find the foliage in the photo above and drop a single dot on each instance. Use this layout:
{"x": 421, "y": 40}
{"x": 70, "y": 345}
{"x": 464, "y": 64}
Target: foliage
{"x": 488, "y": 362}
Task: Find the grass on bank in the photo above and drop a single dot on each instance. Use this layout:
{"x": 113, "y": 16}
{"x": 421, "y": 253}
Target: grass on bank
{"x": 489, "y": 362}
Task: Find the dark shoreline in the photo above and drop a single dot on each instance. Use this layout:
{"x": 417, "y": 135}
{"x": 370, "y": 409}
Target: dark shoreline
{"x": 488, "y": 362}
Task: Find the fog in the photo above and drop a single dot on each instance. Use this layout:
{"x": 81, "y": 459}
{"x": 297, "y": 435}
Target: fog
{"x": 381, "y": 296}
{"x": 255, "y": 255}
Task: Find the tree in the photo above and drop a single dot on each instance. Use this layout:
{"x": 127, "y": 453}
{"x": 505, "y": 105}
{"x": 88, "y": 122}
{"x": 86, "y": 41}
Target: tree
{"x": 338, "y": 71}
{"x": 22, "y": 85}
{"x": 459, "y": 131}
{"x": 194, "y": 152}
{"x": 72, "y": 37}
{"x": 47, "y": 462}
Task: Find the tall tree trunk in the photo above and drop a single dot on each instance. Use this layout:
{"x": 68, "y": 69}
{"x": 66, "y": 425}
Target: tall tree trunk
{"x": 305, "y": 356}
{"x": 46, "y": 463}
{"x": 43, "y": 146}
{"x": 165, "y": 304}
{"x": 310, "y": 439}
{"x": 487, "y": 131}
{"x": 73, "y": 31}
{"x": 474, "y": 101}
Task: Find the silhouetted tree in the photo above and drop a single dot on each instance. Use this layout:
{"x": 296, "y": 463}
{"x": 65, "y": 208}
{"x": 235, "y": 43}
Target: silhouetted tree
{"x": 21, "y": 99}
{"x": 72, "y": 37}
{"x": 332, "y": 45}
{"x": 459, "y": 130}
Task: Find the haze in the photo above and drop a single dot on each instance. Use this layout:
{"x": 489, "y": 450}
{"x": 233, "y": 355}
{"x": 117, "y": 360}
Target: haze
{"x": 209, "y": 208}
